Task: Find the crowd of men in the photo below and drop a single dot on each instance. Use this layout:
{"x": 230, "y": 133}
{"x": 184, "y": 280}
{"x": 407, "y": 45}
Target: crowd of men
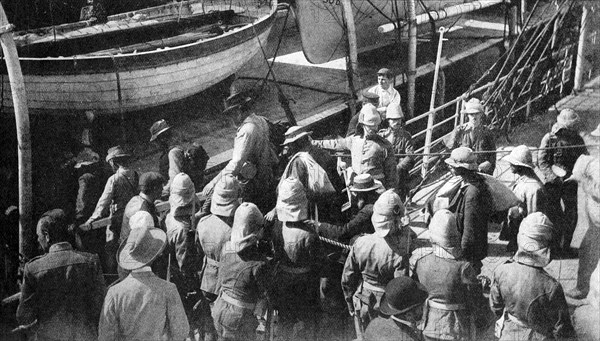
{"x": 314, "y": 239}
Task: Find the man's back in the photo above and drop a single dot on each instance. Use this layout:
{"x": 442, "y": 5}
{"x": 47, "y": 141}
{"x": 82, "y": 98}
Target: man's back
{"x": 63, "y": 290}
{"x": 143, "y": 307}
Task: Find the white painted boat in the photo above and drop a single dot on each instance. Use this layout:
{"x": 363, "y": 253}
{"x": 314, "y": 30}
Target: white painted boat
{"x": 321, "y": 22}
{"x": 137, "y": 76}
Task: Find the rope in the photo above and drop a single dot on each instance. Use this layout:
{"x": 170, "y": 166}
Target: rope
{"x": 334, "y": 243}
{"x": 482, "y": 151}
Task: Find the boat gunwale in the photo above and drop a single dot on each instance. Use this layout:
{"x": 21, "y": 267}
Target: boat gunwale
{"x": 238, "y": 31}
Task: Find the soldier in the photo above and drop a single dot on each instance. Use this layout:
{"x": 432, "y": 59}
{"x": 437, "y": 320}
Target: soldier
{"x": 587, "y": 233}
{"x": 370, "y": 152}
{"x": 142, "y": 306}
{"x": 400, "y": 311}
{"x": 213, "y": 231}
{"x": 370, "y": 99}
{"x": 453, "y": 308}
{"x": 528, "y": 188}
{"x": 180, "y": 237}
{"x": 119, "y": 189}
{"x": 376, "y": 258}
{"x": 401, "y": 141}
{"x": 475, "y": 136}
{"x": 299, "y": 256}
{"x": 471, "y": 204}
{"x": 530, "y": 303}
{"x": 388, "y": 96}
{"x": 91, "y": 180}
{"x": 62, "y": 290}
{"x": 557, "y": 165}
{"x": 251, "y": 145}
{"x": 171, "y": 161}
{"x": 245, "y": 276}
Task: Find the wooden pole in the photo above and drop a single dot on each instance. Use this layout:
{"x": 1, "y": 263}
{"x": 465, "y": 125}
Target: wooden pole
{"x": 431, "y": 117}
{"x": 17, "y": 88}
{"x": 412, "y": 57}
{"x": 581, "y": 50}
{"x": 352, "y": 68}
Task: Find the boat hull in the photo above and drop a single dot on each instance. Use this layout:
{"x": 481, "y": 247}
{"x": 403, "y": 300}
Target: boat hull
{"x": 136, "y": 81}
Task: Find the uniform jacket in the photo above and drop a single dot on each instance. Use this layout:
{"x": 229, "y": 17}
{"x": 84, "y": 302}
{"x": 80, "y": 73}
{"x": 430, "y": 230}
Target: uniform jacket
{"x": 478, "y": 140}
{"x": 386, "y": 328}
{"x": 297, "y": 246}
{"x": 564, "y": 158}
{"x": 372, "y": 260}
{"x": 243, "y": 279}
{"x": 89, "y": 191}
{"x": 401, "y": 141}
{"x": 531, "y": 193}
{"x": 449, "y": 281}
{"x": 360, "y": 223}
{"x": 535, "y": 298}
{"x": 373, "y": 155}
{"x": 179, "y": 244}
{"x": 136, "y": 204}
{"x": 252, "y": 144}
{"x": 63, "y": 290}
{"x": 119, "y": 189}
{"x": 472, "y": 208}
{"x": 171, "y": 164}
{"x": 143, "y": 307}
{"x": 212, "y": 234}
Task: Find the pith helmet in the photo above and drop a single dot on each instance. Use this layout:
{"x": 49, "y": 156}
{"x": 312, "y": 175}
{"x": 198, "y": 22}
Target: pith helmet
{"x": 462, "y": 157}
{"x": 535, "y": 234}
{"x": 567, "y": 118}
{"x": 386, "y": 209}
{"x": 246, "y": 227}
{"x": 394, "y": 112}
{"x": 369, "y": 116}
{"x": 520, "y": 156}
{"x": 473, "y": 106}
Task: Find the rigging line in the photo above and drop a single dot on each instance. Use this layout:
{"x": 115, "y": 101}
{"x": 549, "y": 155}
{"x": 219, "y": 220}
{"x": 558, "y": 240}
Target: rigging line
{"x": 380, "y": 11}
{"x": 481, "y": 151}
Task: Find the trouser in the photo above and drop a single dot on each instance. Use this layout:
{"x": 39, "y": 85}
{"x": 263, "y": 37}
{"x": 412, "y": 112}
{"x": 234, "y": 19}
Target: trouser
{"x": 366, "y": 303}
{"x": 564, "y": 219}
{"x": 233, "y": 322}
{"x": 296, "y": 298}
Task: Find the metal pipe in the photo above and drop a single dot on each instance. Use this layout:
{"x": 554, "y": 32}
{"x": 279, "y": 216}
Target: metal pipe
{"x": 447, "y": 12}
{"x": 17, "y": 87}
{"x": 412, "y": 57}
{"x": 581, "y": 48}
{"x": 432, "y": 102}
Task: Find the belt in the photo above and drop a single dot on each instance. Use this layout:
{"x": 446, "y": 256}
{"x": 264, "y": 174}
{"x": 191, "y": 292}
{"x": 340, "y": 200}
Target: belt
{"x": 294, "y": 270}
{"x": 236, "y": 302}
{"x": 516, "y": 321}
{"x": 446, "y": 306}
{"x": 212, "y": 262}
{"x": 372, "y": 287}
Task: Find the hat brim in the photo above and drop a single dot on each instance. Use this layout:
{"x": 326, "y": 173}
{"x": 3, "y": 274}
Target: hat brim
{"x": 225, "y": 209}
{"x": 469, "y": 166}
{"x": 419, "y": 297}
{"x": 376, "y": 185}
{"x": 538, "y": 258}
{"x": 471, "y": 112}
{"x": 596, "y": 132}
{"x": 516, "y": 162}
{"x": 155, "y": 135}
{"x": 295, "y": 138}
{"x": 128, "y": 262}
